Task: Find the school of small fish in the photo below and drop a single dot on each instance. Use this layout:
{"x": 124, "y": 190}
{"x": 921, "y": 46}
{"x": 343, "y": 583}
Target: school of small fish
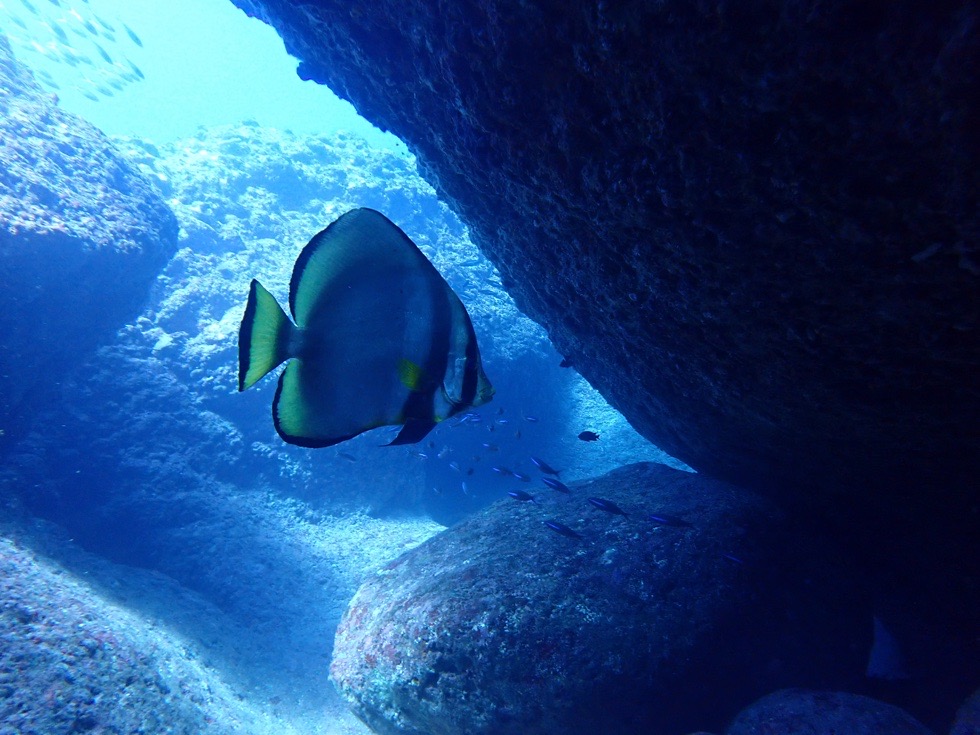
{"x": 70, "y": 47}
{"x": 495, "y": 425}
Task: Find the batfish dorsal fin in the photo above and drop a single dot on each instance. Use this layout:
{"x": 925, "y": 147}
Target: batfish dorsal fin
{"x": 359, "y": 244}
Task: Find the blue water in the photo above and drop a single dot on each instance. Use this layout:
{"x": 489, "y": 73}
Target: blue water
{"x": 205, "y": 63}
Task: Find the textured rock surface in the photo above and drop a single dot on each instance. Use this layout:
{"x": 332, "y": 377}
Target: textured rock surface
{"x": 72, "y": 662}
{"x": 501, "y": 625}
{"x": 968, "y": 717}
{"x": 82, "y": 236}
{"x": 753, "y": 226}
{"x": 801, "y": 712}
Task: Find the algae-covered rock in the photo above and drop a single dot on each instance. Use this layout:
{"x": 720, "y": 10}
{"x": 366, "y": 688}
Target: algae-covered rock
{"x": 610, "y": 623}
{"x": 801, "y": 712}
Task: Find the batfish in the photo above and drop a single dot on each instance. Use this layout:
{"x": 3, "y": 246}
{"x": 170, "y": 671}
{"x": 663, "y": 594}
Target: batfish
{"x": 377, "y": 338}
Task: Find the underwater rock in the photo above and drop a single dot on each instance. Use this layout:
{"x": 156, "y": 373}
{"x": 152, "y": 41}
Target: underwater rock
{"x": 82, "y": 236}
{"x": 598, "y": 623}
{"x": 967, "y": 720}
{"x": 71, "y": 662}
{"x": 801, "y": 712}
{"x": 751, "y": 225}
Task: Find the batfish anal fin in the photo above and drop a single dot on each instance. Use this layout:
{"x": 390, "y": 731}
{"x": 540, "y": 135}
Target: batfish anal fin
{"x": 413, "y": 431}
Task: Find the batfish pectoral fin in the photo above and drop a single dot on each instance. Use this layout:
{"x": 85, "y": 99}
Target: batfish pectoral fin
{"x": 411, "y": 375}
{"x": 263, "y": 338}
{"x": 413, "y": 431}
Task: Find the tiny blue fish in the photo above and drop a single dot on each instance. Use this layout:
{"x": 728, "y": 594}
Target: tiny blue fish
{"x": 521, "y": 495}
{"x": 102, "y": 52}
{"x": 588, "y": 436}
{"x": 556, "y": 485}
{"x": 491, "y": 447}
{"x": 669, "y": 520}
{"x": 132, "y": 36}
{"x": 544, "y": 466}
{"x": 608, "y": 506}
{"x": 347, "y": 456}
{"x": 522, "y": 478}
{"x": 532, "y": 419}
{"x": 562, "y": 529}
{"x": 733, "y": 558}
{"x": 455, "y": 465}
{"x": 502, "y": 471}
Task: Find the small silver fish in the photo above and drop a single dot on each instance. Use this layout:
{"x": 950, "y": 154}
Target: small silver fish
{"x": 132, "y": 35}
{"x": 562, "y": 529}
{"x": 544, "y": 466}
{"x": 608, "y": 506}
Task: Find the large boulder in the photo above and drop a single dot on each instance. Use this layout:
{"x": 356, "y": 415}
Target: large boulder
{"x": 502, "y": 625}
{"x": 752, "y": 225}
{"x": 82, "y": 236}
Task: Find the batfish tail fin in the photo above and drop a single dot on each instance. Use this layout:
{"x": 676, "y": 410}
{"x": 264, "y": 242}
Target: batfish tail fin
{"x": 264, "y": 337}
